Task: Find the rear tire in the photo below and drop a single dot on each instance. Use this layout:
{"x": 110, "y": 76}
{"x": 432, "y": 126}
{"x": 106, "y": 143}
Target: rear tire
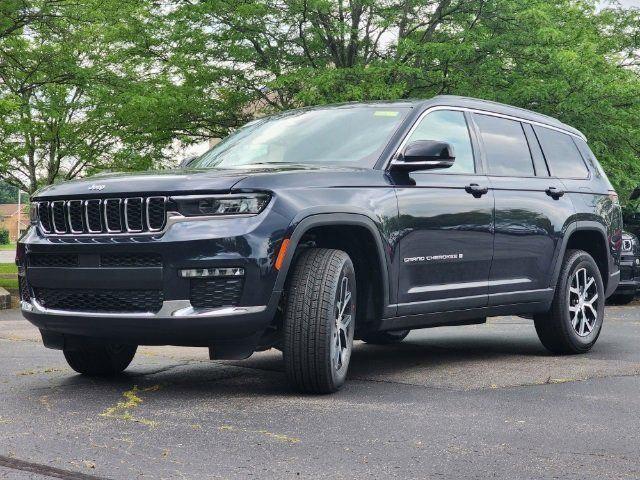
{"x": 101, "y": 361}
{"x": 385, "y": 338}
{"x": 319, "y": 321}
{"x": 574, "y": 321}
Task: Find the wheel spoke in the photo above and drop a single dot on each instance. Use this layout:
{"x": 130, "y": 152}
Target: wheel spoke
{"x": 582, "y": 323}
{"x": 589, "y": 283}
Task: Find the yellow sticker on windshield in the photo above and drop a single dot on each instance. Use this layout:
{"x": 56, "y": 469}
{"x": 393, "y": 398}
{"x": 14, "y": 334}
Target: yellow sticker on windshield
{"x": 385, "y": 113}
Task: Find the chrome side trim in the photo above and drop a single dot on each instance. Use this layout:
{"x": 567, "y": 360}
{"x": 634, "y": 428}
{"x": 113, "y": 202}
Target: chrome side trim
{"x": 463, "y": 285}
{"x": 170, "y": 308}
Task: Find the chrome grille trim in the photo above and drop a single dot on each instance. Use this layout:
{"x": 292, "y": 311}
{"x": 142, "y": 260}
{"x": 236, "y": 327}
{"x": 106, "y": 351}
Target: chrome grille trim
{"x": 148, "y": 201}
{"x": 58, "y": 204}
{"x": 44, "y": 211}
{"x": 93, "y": 213}
{"x": 70, "y": 204}
{"x": 126, "y": 215}
{"x": 106, "y": 217}
{"x": 87, "y": 218}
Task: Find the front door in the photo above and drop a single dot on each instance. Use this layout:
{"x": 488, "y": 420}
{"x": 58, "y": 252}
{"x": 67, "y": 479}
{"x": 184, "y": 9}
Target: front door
{"x": 446, "y": 221}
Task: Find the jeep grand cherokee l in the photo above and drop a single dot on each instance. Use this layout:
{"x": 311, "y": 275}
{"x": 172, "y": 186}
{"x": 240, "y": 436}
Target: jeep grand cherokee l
{"x": 307, "y": 229}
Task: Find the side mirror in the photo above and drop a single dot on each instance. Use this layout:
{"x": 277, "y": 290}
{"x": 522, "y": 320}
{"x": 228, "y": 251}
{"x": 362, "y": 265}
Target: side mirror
{"x": 425, "y": 155}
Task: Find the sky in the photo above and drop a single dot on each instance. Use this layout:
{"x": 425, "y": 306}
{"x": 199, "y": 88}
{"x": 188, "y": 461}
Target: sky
{"x": 627, "y": 3}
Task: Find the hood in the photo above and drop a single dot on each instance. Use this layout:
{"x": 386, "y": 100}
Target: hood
{"x": 167, "y": 182}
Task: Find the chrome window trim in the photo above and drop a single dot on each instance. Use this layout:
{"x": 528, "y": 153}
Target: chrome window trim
{"x": 104, "y": 211}
{"x": 164, "y": 200}
{"x": 126, "y": 216}
{"x": 435, "y": 108}
{"x": 53, "y": 216}
{"x": 86, "y": 214}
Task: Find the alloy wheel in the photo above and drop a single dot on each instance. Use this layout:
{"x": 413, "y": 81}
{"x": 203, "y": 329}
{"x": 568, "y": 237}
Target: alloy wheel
{"x": 583, "y": 302}
{"x": 342, "y": 335}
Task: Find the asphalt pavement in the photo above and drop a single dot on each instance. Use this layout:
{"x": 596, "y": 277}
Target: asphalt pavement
{"x": 483, "y": 401}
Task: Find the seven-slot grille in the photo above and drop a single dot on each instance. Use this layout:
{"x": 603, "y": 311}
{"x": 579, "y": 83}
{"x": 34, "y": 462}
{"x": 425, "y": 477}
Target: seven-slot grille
{"x": 103, "y": 216}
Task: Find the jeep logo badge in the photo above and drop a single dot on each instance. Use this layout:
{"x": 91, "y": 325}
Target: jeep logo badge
{"x": 95, "y": 186}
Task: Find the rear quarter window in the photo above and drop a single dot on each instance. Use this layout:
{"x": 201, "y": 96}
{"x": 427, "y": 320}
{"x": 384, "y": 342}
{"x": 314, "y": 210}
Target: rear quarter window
{"x": 562, "y": 154}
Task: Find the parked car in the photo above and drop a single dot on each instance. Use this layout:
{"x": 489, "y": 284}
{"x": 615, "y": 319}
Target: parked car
{"x": 309, "y": 228}
{"x": 629, "y": 271}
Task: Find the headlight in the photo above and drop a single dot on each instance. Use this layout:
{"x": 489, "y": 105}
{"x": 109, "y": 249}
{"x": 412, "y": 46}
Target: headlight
{"x": 212, "y": 205}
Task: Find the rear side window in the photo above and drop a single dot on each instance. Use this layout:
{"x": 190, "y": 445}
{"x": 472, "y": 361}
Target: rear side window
{"x": 563, "y": 157}
{"x": 506, "y": 146}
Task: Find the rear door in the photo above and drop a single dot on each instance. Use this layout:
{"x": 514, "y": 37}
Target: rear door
{"x": 530, "y": 210}
{"x": 445, "y": 224}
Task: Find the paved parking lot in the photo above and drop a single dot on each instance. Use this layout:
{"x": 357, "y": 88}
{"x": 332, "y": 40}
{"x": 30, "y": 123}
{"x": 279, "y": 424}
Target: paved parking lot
{"x": 482, "y": 401}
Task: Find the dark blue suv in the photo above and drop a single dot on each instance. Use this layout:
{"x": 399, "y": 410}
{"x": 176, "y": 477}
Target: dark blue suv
{"x": 309, "y": 228}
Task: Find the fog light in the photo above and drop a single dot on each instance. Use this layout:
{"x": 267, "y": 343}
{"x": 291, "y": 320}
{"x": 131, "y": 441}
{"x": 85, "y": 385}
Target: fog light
{"x": 212, "y": 272}
{"x": 637, "y": 261}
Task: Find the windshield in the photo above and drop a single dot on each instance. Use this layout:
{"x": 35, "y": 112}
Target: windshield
{"x": 354, "y": 135}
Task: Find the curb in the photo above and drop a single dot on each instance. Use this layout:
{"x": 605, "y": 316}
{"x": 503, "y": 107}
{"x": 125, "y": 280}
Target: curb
{"x": 5, "y": 299}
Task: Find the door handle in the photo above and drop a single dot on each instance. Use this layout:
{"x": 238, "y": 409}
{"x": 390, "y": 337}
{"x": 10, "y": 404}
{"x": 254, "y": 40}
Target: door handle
{"x": 554, "y": 192}
{"x": 476, "y": 190}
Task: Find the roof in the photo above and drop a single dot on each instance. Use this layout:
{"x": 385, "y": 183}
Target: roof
{"x": 9, "y": 209}
{"x": 466, "y": 102}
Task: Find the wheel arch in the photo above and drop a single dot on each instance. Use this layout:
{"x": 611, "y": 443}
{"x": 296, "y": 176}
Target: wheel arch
{"x": 358, "y": 235}
{"x": 590, "y": 237}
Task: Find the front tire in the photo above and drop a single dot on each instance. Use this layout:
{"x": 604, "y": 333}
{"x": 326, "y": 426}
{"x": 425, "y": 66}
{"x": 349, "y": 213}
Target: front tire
{"x": 101, "y": 361}
{"x": 319, "y": 321}
{"x": 574, "y": 322}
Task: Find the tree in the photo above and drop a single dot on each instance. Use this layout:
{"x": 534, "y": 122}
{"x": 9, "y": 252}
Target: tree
{"x": 69, "y": 94}
{"x": 560, "y": 57}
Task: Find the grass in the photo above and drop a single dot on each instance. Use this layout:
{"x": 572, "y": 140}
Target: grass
{"x": 9, "y": 283}
{"x": 8, "y": 246}
{"x": 9, "y": 276}
{"x": 8, "y": 268}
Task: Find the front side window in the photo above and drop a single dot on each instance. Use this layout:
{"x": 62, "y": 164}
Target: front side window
{"x": 448, "y": 126}
{"x": 563, "y": 157}
{"x": 506, "y": 146}
{"x": 350, "y": 135}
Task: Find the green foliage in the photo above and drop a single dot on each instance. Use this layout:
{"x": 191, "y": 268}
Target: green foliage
{"x": 8, "y": 193}
{"x": 108, "y": 84}
{"x": 559, "y": 57}
{"x": 4, "y": 236}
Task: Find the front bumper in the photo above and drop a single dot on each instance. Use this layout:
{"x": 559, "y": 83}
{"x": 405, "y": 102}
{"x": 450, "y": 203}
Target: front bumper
{"x": 177, "y": 323}
{"x": 248, "y": 242}
{"x": 629, "y": 276}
